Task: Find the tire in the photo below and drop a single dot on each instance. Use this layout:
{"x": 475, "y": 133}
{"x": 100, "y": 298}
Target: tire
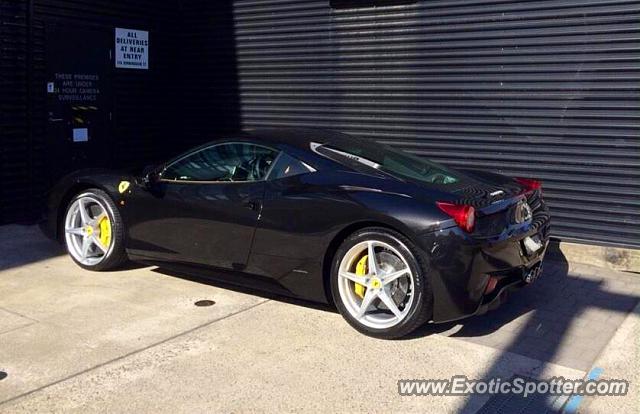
{"x": 101, "y": 228}
{"x": 396, "y": 257}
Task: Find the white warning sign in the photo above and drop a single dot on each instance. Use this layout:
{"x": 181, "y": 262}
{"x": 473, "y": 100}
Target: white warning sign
{"x": 132, "y": 48}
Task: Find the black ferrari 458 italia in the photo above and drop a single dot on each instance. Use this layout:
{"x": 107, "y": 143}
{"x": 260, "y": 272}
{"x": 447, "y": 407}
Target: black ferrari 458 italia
{"x": 393, "y": 240}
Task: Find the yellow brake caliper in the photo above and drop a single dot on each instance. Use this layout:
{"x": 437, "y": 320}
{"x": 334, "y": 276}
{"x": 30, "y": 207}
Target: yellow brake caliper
{"x": 361, "y": 270}
{"x": 105, "y": 231}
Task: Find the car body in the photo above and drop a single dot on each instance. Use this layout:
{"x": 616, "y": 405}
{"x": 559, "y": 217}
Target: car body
{"x": 280, "y": 233}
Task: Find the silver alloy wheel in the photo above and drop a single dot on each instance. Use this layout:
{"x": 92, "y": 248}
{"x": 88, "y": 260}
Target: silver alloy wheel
{"x": 388, "y": 283}
{"x": 83, "y": 230}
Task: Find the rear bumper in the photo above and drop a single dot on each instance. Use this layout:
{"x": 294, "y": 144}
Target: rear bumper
{"x": 461, "y": 268}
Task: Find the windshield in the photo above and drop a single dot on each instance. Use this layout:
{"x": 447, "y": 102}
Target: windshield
{"x": 392, "y": 161}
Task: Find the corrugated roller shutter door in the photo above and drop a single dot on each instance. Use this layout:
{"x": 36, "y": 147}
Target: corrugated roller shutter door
{"x": 548, "y": 89}
{"x": 14, "y": 128}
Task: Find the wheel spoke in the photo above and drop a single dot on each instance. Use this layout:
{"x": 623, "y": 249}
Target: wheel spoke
{"x": 387, "y": 300}
{"x": 353, "y": 277}
{"x": 84, "y": 214}
{"x": 98, "y": 244}
{"x": 86, "y": 245}
{"x": 371, "y": 252}
{"x": 366, "y": 302}
{"x": 77, "y": 231}
{"x": 386, "y": 279}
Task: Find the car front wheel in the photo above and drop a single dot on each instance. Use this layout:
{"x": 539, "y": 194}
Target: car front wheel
{"x": 93, "y": 231}
{"x": 379, "y": 283}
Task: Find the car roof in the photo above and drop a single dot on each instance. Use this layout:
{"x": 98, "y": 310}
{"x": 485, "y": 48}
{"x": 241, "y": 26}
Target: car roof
{"x": 296, "y": 137}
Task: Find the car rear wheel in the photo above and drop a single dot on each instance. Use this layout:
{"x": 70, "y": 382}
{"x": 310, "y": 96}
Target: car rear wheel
{"x": 379, "y": 283}
{"x": 93, "y": 231}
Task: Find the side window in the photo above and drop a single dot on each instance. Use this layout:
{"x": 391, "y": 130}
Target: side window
{"x": 287, "y": 166}
{"x": 223, "y": 162}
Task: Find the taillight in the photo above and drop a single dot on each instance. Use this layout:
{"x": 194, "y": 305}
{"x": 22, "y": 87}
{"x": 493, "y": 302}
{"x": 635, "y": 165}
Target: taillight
{"x": 529, "y": 184}
{"x": 463, "y": 215}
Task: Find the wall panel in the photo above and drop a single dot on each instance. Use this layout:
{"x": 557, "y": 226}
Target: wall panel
{"x": 548, "y": 89}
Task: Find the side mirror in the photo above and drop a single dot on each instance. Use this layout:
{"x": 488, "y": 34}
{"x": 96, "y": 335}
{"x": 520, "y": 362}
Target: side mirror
{"x": 150, "y": 175}
{"x": 151, "y": 178}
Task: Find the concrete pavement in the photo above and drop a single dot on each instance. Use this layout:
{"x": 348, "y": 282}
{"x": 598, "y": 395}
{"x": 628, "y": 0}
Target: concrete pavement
{"x": 133, "y": 341}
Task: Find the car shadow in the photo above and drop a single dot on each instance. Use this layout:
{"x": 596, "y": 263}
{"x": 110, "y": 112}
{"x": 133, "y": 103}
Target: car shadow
{"x": 540, "y": 320}
{"x": 566, "y": 318}
{"x": 263, "y": 293}
{"x": 128, "y": 265}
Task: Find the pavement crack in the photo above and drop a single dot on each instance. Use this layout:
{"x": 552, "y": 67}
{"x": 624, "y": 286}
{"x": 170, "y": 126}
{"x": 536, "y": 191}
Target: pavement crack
{"x": 18, "y": 327}
{"x": 132, "y": 353}
{"x": 18, "y": 314}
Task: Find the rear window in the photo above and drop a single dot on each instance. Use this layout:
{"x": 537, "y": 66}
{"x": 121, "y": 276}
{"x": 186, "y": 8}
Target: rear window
{"x": 391, "y": 161}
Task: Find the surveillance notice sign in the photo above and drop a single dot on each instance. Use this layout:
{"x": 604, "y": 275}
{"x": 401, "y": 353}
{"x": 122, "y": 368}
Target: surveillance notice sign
{"x": 132, "y": 49}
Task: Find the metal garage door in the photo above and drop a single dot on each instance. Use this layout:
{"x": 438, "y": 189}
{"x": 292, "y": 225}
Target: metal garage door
{"x": 15, "y": 161}
{"x": 549, "y": 89}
